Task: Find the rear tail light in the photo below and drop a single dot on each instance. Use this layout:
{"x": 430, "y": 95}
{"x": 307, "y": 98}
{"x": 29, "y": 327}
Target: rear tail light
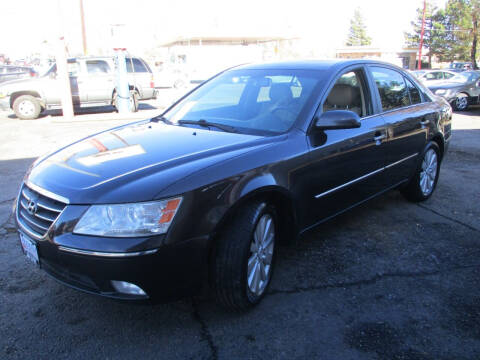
{"x": 152, "y": 83}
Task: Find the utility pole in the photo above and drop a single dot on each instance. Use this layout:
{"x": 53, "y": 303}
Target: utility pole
{"x": 84, "y": 33}
{"x": 63, "y": 79}
{"x": 421, "y": 36}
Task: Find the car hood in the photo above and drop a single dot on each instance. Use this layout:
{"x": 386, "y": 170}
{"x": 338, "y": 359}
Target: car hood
{"x": 17, "y": 83}
{"x": 135, "y": 162}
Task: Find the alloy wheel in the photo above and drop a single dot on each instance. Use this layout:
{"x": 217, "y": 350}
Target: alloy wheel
{"x": 429, "y": 172}
{"x": 26, "y": 108}
{"x": 461, "y": 102}
{"x": 261, "y": 250}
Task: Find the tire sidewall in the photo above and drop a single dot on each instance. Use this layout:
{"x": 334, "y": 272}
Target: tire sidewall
{"x": 263, "y": 209}
{"x": 31, "y": 99}
{"x": 434, "y": 146}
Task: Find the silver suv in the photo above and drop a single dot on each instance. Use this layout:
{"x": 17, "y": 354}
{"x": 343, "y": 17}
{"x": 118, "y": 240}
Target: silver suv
{"x": 92, "y": 81}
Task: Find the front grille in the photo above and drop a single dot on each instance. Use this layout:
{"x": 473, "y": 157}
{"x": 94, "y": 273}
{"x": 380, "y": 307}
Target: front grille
{"x": 37, "y": 212}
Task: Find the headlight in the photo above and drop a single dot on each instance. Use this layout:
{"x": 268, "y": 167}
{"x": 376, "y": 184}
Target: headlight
{"x": 125, "y": 220}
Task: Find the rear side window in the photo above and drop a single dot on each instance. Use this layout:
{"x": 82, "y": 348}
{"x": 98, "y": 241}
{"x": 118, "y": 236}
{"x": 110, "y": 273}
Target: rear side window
{"x": 97, "y": 67}
{"x": 414, "y": 93}
{"x": 135, "y": 65}
{"x": 391, "y": 88}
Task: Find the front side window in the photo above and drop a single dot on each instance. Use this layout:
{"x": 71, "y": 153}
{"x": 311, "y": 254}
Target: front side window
{"x": 252, "y": 101}
{"x": 349, "y": 93}
{"x": 434, "y": 75}
{"x": 391, "y": 88}
{"x": 97, "y": 67}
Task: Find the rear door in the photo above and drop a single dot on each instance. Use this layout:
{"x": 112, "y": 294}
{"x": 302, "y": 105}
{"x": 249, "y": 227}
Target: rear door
{"x": 97, "y": 81}
{"x": 408, "y": 116}
{"x": 140, "y": 77}
{"x": 346, "y": 165}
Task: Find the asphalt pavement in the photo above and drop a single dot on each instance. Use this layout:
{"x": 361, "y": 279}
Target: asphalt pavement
{"x": 387, "y": 280}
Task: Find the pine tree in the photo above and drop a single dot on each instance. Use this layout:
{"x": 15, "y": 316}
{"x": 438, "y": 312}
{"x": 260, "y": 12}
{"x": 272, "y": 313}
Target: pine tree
{"x": 357, "y": 35}
{"x": 464, "y": 17}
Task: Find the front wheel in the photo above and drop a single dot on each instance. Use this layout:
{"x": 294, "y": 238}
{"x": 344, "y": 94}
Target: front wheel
{"x": 423, "y": 183}
{"x": 461, "y": 102}
{"x": 27, "y": 107}
{"x": 244, "y": 257}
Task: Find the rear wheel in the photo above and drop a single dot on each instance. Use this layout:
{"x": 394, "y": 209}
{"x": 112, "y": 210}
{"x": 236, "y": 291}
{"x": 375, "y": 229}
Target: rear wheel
{"x": 132, "y": 101}
{"x": 244, "y": 258}
{"x": 27, "y": 107}
{"x": 461, "y": 102}
{"x": 424, "y": 181}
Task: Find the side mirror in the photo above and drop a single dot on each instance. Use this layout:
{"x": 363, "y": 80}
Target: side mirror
{"x": 337, "y": 119}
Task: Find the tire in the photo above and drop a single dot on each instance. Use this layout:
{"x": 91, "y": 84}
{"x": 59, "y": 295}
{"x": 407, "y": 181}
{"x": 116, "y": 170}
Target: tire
{"x": 461, "y": 102}
{"x": 27, "y": 107}
{"x": 236, "y": 285}
{"x": 133, "y": 101}
{"x": 423, "y": 183}
{"x": 179, "y": 84}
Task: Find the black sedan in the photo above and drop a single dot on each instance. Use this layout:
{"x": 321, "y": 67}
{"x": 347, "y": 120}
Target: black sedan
{"x": 204, "y": 194}
{"x": 460, "y": 91}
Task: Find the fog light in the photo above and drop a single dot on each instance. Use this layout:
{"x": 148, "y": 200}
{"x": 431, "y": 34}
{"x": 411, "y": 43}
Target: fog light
{"x": 127, "y": 288}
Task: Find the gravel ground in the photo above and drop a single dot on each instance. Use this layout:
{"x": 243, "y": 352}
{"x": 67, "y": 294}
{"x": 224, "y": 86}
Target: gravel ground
{"x": 388, "y": 280}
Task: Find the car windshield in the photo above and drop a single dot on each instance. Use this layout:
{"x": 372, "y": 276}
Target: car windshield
{"x": 460, "y": 78}
{"x": 249, "y": 101}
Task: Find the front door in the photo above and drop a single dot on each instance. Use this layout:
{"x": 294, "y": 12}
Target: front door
{"x": 97, "y": 82}
{"x": 346, "y": 165}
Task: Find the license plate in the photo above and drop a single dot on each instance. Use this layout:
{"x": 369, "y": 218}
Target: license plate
{"x": 29, "y": 248}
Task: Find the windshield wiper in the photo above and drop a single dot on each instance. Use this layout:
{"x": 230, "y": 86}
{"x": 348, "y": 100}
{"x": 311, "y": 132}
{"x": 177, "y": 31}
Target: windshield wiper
{"x": 206, "y": 123}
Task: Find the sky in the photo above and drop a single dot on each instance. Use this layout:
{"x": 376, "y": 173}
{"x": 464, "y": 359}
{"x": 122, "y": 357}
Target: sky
{"x": 25, "y": 24}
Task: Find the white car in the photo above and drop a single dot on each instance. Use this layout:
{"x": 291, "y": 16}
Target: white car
{"x": 428, "y": 76}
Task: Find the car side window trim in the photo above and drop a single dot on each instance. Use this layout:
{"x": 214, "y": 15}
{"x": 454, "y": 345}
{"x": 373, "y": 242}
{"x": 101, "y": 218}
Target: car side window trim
{"x": 365, "y": 89}
{"x": 377, "y": 93}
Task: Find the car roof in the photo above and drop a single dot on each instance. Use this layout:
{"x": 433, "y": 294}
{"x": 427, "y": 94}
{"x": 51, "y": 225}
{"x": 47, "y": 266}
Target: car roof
{"x": 100, "y": 57}
{"x": 311, "y": 64}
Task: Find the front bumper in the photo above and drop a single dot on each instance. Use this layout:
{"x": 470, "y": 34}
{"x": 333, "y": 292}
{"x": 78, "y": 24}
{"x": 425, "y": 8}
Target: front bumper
{"x": 172, "y": 272}
{"x": 165, "y": 272}
{"x": 5, "y": 103}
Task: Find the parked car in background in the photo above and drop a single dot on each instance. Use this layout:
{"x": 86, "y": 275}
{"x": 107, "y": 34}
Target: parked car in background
{"x": 429, "y": 76}
{"x": 206, "y": 192}
{"x": 92, "y": 81}
{"x": 170, "y": 77}
{"x": 460, "y": 91}
{"x": 458, "y": 66}
{"x": 12, "y": 72}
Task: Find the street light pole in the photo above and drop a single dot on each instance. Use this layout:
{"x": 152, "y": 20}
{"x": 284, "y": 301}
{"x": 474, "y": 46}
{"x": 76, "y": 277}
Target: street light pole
{"x": 63, "y": 79}
{"x": 84, "y": 34}
{"x": 421, "y": 36}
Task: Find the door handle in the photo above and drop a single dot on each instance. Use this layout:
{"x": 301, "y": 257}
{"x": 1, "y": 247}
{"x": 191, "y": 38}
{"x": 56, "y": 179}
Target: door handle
{"x": 378, "y": 139}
